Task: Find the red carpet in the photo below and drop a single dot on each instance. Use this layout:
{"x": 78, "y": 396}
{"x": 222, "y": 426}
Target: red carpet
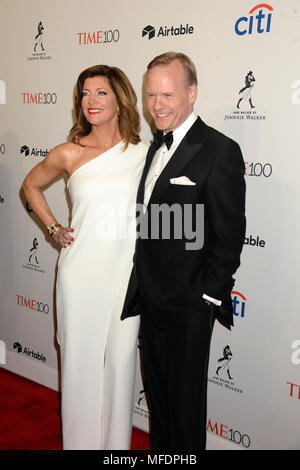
{"x": 30, "y": 416}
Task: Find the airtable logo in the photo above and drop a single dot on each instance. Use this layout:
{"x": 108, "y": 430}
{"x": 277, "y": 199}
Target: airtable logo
{"x": 165, "y": 31}
{"x": 29, "y": 352}
{"x": 36, "y": 152}
{"x": 25, "y": 150}
{"x": 149, "y": 30}
{"x": 260, "y": 22}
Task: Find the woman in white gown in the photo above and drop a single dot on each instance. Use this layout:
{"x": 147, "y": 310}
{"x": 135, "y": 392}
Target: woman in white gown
{"x": 103, "y": 160}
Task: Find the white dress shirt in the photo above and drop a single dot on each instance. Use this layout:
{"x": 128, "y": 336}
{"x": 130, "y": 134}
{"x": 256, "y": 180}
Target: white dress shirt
{"x": 160, "y": 160}
{"x": 163, "y": 155}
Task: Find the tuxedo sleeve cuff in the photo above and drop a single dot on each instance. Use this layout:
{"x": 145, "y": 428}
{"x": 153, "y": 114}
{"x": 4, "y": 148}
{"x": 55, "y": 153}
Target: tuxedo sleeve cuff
{"x": 214, "y": 301}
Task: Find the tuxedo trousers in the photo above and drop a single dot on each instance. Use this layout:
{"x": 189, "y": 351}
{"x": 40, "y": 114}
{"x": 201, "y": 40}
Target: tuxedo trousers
{"x": 175, "y": 362}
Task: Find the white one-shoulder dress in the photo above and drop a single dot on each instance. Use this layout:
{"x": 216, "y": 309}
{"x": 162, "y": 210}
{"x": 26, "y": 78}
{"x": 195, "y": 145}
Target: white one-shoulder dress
{"x": 98, "y": 350}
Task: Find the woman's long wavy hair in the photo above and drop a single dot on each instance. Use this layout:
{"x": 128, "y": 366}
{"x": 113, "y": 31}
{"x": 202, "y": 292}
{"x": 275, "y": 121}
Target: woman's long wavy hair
{"x": 129, "y": 119}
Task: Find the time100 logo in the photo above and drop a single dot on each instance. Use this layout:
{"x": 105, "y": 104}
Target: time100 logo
{"x": 39, "y": 98}
{"x": 258, "y": 169}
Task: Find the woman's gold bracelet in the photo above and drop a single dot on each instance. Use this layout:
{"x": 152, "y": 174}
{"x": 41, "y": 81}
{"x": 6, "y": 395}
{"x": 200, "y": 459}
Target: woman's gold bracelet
{"x": 53, "y": 228}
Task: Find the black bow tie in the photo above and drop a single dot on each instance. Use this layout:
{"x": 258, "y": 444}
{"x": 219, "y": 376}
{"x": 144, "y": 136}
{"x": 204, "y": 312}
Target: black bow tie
{"x": 161, "y": 138}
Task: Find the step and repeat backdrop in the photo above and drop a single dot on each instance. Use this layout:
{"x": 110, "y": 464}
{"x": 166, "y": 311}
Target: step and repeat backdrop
{"x": 247, "y": 57}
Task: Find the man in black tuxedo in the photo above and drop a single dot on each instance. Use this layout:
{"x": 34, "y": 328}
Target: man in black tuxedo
{"x": 180, "y": 285}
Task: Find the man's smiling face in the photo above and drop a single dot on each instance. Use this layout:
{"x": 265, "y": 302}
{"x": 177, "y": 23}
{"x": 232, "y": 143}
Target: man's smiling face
{"x": 169, "y": 98}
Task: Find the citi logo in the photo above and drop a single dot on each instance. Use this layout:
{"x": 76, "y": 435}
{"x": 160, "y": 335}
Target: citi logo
{"x": 165, "y": 31}
{"x": 238, "y": 304}
{"x": 260, "y": 22}
{"x": 25, "y": 150}
{"x": 29, "y": 352}
{"x": 2, "y": 92}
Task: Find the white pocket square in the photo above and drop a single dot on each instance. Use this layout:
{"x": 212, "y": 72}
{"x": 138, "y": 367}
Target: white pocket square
{"x": 182, "y": 180}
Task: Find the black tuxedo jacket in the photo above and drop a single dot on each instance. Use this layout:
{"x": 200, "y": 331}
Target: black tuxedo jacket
{"x": 167, "y": 279}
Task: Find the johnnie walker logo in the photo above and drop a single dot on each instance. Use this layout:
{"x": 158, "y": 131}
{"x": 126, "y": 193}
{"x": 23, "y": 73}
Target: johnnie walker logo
{"x": 224, "y": 374}
{"x": 39, "y": 49}
{"x": 141, "y": 408}
{"x": 245, "y": 108}
{"x": 33, "y": 262}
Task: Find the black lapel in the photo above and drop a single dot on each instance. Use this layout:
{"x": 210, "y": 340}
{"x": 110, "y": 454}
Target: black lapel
{"x": 141, "y": 189}
{"x": 185, "y": 151}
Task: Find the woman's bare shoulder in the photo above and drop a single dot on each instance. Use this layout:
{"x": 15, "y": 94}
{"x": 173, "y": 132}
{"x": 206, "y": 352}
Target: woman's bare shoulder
{"x": 67, "y": 150}
{"x": 63, "y": 156}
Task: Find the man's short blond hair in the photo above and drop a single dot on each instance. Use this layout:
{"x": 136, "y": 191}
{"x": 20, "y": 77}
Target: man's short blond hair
{"x": 188, "y": 65}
